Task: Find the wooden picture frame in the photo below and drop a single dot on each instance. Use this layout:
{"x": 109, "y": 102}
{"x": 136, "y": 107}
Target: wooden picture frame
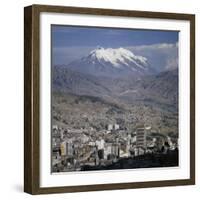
{"x": 32, "y": 98}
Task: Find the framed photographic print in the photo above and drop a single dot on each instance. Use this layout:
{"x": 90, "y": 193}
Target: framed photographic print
{"x": 109, "y": 99}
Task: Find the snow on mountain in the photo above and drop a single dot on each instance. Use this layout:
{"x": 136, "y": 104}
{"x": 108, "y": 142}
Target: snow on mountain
{"x": 111, "y": 63}
{"x": 118, "y": 57}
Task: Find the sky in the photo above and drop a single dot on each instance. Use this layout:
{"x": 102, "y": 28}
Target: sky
{"x": 63, "y": 36}
{"x": 73, "y": 42}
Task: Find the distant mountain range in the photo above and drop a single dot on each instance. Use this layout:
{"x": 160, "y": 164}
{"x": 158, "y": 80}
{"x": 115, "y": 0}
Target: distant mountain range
{"x": 114, "y": 86}
{"x": 116, "y": 75}
{"x": 160, "y": 88}
{"x": 112, "y": 63}
{"x": 68, "y": 81}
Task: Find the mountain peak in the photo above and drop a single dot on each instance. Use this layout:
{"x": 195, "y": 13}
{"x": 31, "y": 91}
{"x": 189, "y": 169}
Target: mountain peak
{"x": 99, "y": 47}
{"x": 118, "y": 57}
{"x": 111, "y": 62}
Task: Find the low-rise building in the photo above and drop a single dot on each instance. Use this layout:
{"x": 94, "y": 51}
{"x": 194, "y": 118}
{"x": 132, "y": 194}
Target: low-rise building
{"x": 116, "y": 126}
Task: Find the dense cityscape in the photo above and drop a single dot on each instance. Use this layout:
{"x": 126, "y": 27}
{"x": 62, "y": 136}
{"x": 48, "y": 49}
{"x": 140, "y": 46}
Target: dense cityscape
{"x": 87, "y": 149}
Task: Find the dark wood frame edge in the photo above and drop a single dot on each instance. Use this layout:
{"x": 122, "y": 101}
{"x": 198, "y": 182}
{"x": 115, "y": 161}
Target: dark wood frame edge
{"x": 31, "y": 99}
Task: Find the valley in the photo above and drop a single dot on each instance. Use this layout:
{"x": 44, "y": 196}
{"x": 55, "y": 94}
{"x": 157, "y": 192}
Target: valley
{"x": 99, "y": 105}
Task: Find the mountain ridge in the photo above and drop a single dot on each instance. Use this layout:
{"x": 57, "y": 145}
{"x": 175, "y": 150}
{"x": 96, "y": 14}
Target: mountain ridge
{"x": 112, "y": 63}
{"x": 161, "y": 87}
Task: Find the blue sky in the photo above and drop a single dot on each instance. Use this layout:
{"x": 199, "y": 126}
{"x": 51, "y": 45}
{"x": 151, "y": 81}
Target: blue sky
{"x": 63, "y": 36}
{"x": 72, "y": 42}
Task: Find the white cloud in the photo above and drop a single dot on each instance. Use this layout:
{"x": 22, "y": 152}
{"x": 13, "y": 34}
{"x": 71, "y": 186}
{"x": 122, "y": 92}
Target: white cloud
{"x": 172, "y": 64}
{"x": 163, "y": 56}
{"x": 155, "y": 46}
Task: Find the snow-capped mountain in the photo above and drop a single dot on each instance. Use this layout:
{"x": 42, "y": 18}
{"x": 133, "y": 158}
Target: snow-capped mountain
{"x": 111, "y": 63}
{"x": 118, "y": 57}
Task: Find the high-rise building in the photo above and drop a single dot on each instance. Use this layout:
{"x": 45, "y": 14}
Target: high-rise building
{"x": 63, "y": 148}
{"x": 141, "y": 137}
{"x": 66, "y": 148}
{"x": 70, "y": 149}
{"x": 107, "y": 150}
{"x": 100, "y": 143}
{"x": 115, "y": 150}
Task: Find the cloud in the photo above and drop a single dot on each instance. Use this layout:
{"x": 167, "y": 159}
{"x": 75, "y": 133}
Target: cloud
{"x": 154, "y": 46}
{"x": 163, "y": 56}
{"x": 171, "y": 64}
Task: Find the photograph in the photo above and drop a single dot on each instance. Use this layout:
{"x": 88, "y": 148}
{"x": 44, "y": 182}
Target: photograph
{"x": 114, "y": 98}
{"x": 109, "y": 99}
